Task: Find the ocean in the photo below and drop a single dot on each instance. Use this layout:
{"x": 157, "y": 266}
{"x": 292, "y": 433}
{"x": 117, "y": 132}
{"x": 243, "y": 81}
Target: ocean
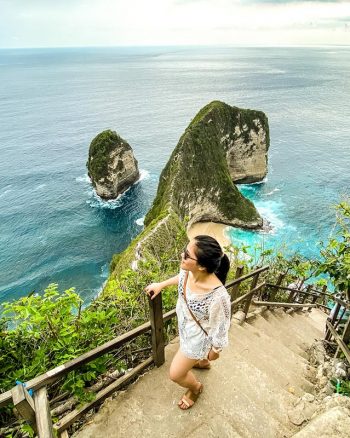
{"x": 53, "y": 102}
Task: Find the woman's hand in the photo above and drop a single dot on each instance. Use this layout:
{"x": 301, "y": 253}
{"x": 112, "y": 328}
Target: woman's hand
{"x": 212, "y": 355}
{"x": 153, "y": 289}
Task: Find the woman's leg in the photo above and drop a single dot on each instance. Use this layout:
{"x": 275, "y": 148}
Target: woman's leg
{"x": 181, "y": 374}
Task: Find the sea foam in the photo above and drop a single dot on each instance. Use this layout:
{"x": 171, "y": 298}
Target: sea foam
{"x": 84, "y": 179}
{"x": 140, "y": 221}
{"x": 271, "y": 211}
{"x": 96, "y": 201}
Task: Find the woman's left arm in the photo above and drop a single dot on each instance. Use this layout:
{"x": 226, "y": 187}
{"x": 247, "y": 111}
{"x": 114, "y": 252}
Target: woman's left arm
{"x": 219, "y": 321}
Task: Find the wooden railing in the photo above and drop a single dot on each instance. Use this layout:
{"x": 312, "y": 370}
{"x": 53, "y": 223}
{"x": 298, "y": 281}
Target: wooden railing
{"x": 36, "y": 410}
{"x": 312, "y": 297}
{"x": 341, "y": 308}
{"x": 297, "y": 297}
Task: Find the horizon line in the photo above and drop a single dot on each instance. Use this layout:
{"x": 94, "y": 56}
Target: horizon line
{"x": 178, "y": 45}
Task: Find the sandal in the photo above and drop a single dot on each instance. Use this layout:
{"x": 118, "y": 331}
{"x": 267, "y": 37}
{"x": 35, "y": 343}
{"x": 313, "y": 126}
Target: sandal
{"x": 202, "y": 367}
{"x": 189, "y": 399}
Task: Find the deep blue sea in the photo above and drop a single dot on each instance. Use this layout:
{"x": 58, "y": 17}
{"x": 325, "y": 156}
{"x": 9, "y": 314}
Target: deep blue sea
{"x": 53, "y": 102}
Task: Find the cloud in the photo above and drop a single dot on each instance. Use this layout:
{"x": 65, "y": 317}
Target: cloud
{"x": 47, "y": 23}
{"x": 283, "y": 2}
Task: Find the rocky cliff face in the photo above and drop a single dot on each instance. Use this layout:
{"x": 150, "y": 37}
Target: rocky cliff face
{"x": 111, "y": 165}
{"x": 246, "y": 141}
{"x": 218, "y": 147}
{"x": 196, "y": 185}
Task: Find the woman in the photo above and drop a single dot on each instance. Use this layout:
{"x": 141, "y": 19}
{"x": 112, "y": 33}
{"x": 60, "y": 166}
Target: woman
{"x": 203, "y": 312}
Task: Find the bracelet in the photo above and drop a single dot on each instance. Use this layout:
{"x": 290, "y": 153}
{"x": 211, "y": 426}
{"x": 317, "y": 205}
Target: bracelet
{"x": 216, "y": 350}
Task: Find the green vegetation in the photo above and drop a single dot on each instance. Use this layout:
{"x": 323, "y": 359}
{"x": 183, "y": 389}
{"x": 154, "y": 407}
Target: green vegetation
{"x": 99, "y": 152}
{"x": 335, "y": 255}
{"x": 197, "y": 172}
{"x": 341, "y": 386}
{"x": 38, "y": 333}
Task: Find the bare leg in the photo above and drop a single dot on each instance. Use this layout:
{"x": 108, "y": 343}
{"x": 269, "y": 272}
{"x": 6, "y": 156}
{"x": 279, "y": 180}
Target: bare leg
{"x": 181, "y": 374}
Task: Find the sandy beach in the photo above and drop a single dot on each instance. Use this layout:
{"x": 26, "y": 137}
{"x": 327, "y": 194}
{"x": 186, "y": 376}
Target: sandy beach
{"x": 212, "y": 229}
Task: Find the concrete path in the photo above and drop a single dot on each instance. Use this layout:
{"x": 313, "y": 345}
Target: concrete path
{"x": 247, "y": 392}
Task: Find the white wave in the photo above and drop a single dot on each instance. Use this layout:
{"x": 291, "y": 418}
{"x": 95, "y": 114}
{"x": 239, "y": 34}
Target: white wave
{"x": 270, "y": 211}
{"x": 276, "y": 71}
{"x": 140, "y": 221}
{"x": 96, "y": 202}
{"x": 251, "y": 186}
{"x": 244, "y": 187}
{"x": 4, "y": 193}
{"x": 272, "y": 191}
{"x": 263, "y": 181}
{"x": 104, "y": 271}
{"x": 112, "y": 204}
{"x": 144, "y": 174}
{"x": 84, "y": 179}
{"x": 39, "y": 187}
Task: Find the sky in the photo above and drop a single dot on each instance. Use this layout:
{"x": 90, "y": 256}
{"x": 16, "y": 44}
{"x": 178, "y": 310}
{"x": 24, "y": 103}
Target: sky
{"x": 76, "y": 23}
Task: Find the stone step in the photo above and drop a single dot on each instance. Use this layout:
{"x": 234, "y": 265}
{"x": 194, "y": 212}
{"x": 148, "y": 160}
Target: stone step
{"x": 247, "y": 392}
{"x": 290, "y": 323}
{"x": 149, "y": 409}
{"x": 285, "y": 335}
{"x": 315, "y": 320}
{"x": 273, "y": 358}
{"x": 332, "y": 423}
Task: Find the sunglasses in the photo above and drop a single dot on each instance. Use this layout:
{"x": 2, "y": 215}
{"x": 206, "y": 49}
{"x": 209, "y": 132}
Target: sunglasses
{"x": 187, "y": 255}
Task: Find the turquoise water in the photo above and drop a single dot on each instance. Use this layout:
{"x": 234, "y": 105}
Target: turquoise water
{"x": 54, "y": 101}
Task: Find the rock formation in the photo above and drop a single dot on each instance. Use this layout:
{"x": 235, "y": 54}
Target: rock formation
{"x": 196, "y": 185}
{"x": 217, "y": 147}
{"x": 111, "y": 165}
{"x": 245, "y": 138}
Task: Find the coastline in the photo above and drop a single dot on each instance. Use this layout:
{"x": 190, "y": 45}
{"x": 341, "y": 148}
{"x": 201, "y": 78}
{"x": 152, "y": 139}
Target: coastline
{"x": 213, "y": 229}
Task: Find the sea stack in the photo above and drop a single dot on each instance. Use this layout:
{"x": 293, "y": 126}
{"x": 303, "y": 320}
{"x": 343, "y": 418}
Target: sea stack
{"x": 111, "y": 165}
{"x": 197, "y": 184}
{"x": 217, "y": 149}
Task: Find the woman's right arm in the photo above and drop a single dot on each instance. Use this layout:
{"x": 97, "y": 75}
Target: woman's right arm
{"x": 156, "y": 288}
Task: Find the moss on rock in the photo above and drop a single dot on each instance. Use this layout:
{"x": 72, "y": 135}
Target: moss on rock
{"x": 111, "y": 165}
{"x": 194, "y": 186}
{"x": 196, "y": 181}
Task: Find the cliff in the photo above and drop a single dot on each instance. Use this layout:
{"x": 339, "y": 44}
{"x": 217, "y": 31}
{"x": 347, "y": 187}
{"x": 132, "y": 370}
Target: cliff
{"x": 196, "y": 186}
{"x": 111, "y": 165}
{"x": 217, "y": 148}
{"x": 246, "y": 141}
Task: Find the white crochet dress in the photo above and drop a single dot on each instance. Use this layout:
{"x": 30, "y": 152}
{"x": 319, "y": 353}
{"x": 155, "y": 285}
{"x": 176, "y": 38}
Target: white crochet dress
{"x": 213, "y": 311}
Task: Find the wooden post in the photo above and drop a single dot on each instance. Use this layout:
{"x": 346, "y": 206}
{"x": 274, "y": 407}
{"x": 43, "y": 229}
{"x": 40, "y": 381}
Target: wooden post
{"x": 280, "y": 279}
{"x": 234, "y": 289}
{"x": 345, "y": 337}
{"x": 315, "y": 297}
{"x": 346, "y": 334}
{"x": 304, "y": 295}
{"x": 334, "y": 318}
{"x": 255, "y": 281}
{"x": 275, "y": 290}
{"x": 324, "y": 288}
{"x": 24, "y": 404}
{"x": 249, "y": 299}
{"x": 42, "y": 413}
{"x": 156, "y": 314}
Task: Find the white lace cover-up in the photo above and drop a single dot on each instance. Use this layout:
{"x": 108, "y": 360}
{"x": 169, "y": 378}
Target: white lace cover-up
{"x": 213, "y": 311}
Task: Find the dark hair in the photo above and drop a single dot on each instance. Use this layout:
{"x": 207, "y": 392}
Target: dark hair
{"x": 209, "y": 255}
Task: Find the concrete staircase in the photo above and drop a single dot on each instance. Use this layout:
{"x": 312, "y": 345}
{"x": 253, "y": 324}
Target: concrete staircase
{"x": 247, "y": 392}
